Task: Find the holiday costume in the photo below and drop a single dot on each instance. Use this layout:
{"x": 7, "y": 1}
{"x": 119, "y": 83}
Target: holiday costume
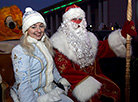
{"x": 37, "y": 78}
{"x": 10, "y": 23}
{"x": 79, "y": 78}
{"x": 34, "y": 74}
{"x": 77, "y": 55}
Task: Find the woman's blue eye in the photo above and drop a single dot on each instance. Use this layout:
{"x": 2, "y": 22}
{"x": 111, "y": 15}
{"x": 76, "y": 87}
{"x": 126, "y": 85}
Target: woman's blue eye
{"x": 33, "y": 27}
{"x": 41, "y": 26}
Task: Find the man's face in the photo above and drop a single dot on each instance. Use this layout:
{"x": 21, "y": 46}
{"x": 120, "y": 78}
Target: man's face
{"x": 76, "y": 25}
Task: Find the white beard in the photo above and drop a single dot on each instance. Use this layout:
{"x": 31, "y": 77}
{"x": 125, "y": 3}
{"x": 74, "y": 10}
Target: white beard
{"x": 79, "y": 42}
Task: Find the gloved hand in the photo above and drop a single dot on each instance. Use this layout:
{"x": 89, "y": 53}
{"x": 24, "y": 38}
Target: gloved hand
{"x": 52, "y": 96}
{"x": 129, "y": 28}
{"x": 66, "y": 84}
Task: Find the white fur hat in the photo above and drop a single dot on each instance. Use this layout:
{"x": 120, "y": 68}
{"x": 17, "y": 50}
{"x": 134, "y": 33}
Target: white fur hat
{"x": 73, "y": 11}
{"x": 31, "y": 17}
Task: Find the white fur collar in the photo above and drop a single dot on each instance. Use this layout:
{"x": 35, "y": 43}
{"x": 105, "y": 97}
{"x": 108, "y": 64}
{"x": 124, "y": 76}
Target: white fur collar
{"x": 32, "y": 40}
{"x": 60, "y": 43}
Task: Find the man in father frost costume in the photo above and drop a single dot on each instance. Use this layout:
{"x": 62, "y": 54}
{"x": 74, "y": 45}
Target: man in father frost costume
{"x": 78, "y": 52}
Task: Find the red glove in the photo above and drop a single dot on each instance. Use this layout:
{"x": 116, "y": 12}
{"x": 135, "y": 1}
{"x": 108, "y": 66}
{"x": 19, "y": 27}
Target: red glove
{"x": 129, "y": 28}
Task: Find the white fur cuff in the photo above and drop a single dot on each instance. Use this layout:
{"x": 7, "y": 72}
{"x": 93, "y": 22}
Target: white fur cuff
{"x": 117, "y": 43}
{"x": 86, "y": 89}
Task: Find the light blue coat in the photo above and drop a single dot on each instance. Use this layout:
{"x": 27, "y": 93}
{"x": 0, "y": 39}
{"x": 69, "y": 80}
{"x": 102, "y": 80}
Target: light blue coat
{"x": 31, "y": 73}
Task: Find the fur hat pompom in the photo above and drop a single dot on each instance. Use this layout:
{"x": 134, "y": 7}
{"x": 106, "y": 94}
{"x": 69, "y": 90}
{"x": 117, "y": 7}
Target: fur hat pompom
{"x": 28, "y": 9}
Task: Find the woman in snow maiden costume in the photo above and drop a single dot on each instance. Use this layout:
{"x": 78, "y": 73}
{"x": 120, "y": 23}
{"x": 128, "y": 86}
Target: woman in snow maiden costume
{"x": 78, "y": 52}
{"x": 34, "y": 67}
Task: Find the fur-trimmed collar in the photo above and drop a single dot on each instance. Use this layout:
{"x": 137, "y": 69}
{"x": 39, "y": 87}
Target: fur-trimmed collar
{"x": 60, "y": 43}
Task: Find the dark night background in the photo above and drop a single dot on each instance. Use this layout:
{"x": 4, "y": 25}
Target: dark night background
{"x": 35, "y": 4}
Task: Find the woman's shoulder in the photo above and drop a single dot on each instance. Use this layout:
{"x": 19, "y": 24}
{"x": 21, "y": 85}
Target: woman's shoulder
{"x": 18, "y": 49}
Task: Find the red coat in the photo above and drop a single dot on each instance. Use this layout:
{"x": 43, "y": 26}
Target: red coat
{"x": 75, "y": 75}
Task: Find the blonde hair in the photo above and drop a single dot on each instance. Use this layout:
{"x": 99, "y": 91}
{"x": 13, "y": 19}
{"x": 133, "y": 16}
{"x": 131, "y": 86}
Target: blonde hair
{"x": 30, "y": 48}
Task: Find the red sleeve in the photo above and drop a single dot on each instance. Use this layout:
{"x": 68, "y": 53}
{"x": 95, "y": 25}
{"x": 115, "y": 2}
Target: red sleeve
{"x": 104, "y": 50}
{"x": 67, "y": 69}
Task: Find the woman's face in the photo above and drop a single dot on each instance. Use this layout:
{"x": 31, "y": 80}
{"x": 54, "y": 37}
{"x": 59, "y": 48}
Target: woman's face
{"x": 36, "y": 31}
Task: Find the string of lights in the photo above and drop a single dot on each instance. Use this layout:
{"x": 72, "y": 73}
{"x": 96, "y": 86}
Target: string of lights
{"x": 62, "y": 6}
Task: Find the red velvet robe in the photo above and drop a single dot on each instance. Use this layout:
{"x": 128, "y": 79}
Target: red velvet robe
{"x": 72, "y": 72}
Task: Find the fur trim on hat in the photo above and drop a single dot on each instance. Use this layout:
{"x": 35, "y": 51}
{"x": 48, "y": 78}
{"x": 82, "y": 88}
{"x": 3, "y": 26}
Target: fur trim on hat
{"x": 31, "y": 17}
{"x": 73, "y": 13}
{"x": 85, "y": 90}
{"x": 117, "y": 43}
